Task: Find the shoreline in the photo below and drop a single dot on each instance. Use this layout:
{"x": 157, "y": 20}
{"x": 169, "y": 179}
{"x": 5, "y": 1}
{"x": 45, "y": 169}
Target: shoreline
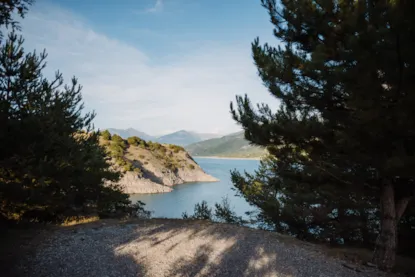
{"x": 226, "y": 158}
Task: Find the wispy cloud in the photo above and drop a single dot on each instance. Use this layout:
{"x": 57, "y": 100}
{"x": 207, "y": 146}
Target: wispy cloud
{"x": 158, "y": 6}
{"x": 127, "y": 88}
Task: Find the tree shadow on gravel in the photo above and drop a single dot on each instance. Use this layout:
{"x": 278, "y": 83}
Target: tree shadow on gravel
{"x": 162, "y": 247}
{"x": 199, "y": 248}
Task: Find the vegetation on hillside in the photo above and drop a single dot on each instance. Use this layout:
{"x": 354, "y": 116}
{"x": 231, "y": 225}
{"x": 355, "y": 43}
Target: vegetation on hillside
{"x": 117, "y": 148}
{"x": 52, "y": 166}
{"x": 342, "y": 141}
{"x": 233, "y": 145}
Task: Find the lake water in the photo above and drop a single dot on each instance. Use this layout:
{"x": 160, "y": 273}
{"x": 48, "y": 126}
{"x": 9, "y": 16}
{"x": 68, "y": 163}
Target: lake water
{"x": 185, "y": 196}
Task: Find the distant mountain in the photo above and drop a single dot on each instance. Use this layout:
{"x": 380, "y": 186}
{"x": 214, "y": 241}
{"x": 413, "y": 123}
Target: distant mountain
{"x": 130, "y": 132}
{"x": 181, "y": 138}
{"x": 233, "y": 145}
{"x": 205, "y": 136}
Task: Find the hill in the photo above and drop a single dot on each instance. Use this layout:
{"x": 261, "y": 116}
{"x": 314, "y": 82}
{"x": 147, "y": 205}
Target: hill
{"x": 151, "y": 167}
{"x": 131, "y": 132}
{"x": 233, "y": 145}
{"x": 181, "y": 138}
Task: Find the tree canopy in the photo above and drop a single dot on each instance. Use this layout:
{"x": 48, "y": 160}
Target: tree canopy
{"x": 52, "y": 166}
{"x": 341, "y": 142}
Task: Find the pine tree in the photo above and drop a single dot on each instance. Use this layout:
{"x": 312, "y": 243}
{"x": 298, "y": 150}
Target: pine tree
{"x": 344, "y": 75}
{"x": 51, "y": 163}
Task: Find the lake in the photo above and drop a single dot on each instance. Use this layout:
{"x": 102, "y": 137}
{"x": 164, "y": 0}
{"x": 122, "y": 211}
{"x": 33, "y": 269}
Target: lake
{"x": 185, "y": 196}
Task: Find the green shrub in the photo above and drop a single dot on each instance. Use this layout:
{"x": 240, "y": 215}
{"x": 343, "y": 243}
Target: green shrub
{"x": 116, "y": 138}
{"x": 137, "y": 210}
{"x": 106, "y": 135}
{"x": 138, "y": 171}
{"x": 224, "y": 213}
{"x": 134, "y": 141}
{"x": 128, "y": 167}
{"x": 116, "y": 151}
{"x": 176, "y": 148}
{"x": 171, "y": 164}
{"x": 141, "y": 156}
{"x": 191, "y": 166}
{"x": 155, "y": 146}
{"x": 201, "y": 211}
{"x": 145, "y": 162}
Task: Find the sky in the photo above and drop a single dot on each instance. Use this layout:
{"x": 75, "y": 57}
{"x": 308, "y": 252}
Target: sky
{"x": 158, "y": 66}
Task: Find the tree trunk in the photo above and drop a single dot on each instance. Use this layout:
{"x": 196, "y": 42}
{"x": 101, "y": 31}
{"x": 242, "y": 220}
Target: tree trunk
{"x": 385, "y": 249}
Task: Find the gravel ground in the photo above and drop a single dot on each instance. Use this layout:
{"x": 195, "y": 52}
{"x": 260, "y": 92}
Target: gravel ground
{"x": 177, "y": 248}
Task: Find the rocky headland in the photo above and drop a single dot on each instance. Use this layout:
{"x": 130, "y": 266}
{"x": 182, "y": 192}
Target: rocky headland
{"x": 150, "y": 167}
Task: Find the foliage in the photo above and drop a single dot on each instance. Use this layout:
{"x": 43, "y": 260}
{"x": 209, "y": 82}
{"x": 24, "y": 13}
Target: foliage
{"x": 171, "y": 163}
{"x": 8, "y": 9}
{"x": 191, "y": 166}
{"x": 129, "y": 167}
{"x": 106, "y": 135}
{"x": 137, "y": 210}
{"x": 125, "y": 210}
{"x": 155, "y": 146}
{"x": 138, "y": 171}
{"x": 52, "y": 166}
{"x": 136, "y": 141}
{"x": 343, "y": 76}
{"x": 201, "y": 211}
{"x": 176, "y": 148}
{"x": 116, "y": 150}
{"x": 118, "y": 141}
{"x": 222, "y": 213}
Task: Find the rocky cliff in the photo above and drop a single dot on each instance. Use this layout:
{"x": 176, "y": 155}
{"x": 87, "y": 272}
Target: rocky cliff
{"x": 149, "y": 167}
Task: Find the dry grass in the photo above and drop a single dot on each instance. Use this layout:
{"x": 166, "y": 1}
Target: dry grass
{"x": 79, "y": 220}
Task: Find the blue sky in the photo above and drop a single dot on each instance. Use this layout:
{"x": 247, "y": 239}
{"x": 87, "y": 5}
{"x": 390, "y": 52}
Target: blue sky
{"x": 155, "y": 65}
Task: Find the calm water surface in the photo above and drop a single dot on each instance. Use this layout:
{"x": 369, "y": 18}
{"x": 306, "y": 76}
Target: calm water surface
{"x": 185, "y": 196}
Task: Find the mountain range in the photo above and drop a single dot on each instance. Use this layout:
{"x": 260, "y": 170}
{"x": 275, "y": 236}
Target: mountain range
{"x": 181, "y": 137}
{"x": 130, "y": 132}
{"x": 201, "y": 144}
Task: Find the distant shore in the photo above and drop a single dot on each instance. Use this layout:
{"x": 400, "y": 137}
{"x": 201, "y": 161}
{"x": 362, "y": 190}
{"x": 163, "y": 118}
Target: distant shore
{"x": 226, "y": 158}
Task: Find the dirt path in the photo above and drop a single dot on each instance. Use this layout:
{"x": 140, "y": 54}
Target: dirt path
{"x": 176, "y": 248}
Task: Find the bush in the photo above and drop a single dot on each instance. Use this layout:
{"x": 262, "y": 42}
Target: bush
{"x": 138, "y": 171}
{"x": 224, "y": 213}
{"x": 106, "y": 135}
{"x": 155, "y": 146}
{"x": 116, "y": 151}
{"x": 171, "y": 164}
{"x": 141, "y": 156}
{"x": 146, "y": 162}
{"x": 191, "y": 166}
{"x": 123, "y": 209}
{"x": 134, "y": 141}
{"x": 176, "y": 148}
{"x": 137, "y": 210}
{"x": 128, "y": 167}
{"x": 201, "y": 211}
{"x": 117, "y": 139}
